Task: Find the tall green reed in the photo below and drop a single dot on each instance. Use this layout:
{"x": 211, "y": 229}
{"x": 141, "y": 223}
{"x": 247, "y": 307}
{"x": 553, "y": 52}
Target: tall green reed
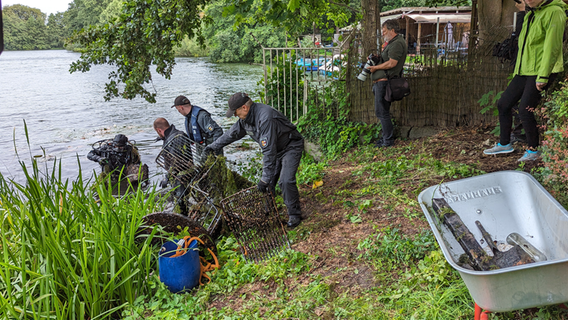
{"x": 67, "y": 254}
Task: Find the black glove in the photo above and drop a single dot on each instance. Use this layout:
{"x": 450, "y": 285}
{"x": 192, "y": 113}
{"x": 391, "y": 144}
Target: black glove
{"x": 103, "y": 161}
{"x": 208, "y": 151}
{"x": 164, "y": 183}
{"x": 262, "y": 186}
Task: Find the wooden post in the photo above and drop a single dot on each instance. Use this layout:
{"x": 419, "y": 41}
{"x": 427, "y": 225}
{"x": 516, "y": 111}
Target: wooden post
{"x": 418, "y": 38}
{"x": 407, "y": 31}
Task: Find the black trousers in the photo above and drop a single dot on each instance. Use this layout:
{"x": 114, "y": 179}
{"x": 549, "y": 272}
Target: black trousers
{"x": 382, "y": 111}
{"x": 286, "y": 167}
{"x": 521, "y": 88}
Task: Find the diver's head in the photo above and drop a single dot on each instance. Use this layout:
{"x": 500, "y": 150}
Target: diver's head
{"x": 120, "y": 140}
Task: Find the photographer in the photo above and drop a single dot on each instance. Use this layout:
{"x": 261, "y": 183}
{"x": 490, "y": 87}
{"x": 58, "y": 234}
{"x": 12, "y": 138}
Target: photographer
{"x": 394, "y": 56}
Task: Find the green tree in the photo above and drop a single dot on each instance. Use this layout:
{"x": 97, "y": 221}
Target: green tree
{"x": 111, "y": 12}
{"x": 144, "y": 34}
{"x": 84, "y": 13}
{"x": 24, "y": 28}
{"x": 236, "y": 44}
{"x": 56, "y": 30}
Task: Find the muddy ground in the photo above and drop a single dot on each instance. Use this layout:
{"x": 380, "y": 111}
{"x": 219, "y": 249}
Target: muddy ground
{"x": 328, "y": 233}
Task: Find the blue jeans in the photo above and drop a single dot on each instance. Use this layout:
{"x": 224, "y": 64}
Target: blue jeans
{"x": 382, "y": 108}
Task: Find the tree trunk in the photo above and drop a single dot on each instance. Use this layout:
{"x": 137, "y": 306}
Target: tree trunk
{"x": 495, "y": 21}
{"x": 369, "y": 26}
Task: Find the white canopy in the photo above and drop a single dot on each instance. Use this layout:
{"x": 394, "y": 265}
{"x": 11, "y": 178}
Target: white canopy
{"x": 444, "y": 18}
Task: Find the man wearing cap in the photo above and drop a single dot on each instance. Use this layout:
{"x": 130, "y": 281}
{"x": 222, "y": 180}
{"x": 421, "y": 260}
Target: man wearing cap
{"x": 281, "y": 144}
{"x": 199, "y": 125}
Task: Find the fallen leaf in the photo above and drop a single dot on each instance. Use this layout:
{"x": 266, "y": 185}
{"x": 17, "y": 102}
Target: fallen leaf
{"x": 317, "y": 184}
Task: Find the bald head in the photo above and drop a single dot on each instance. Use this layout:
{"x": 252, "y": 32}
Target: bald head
{"x": 161, "y": 125}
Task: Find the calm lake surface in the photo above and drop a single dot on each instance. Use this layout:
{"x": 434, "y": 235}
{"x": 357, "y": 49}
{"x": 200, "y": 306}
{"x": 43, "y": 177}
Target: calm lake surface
{"x": 66, "y": 113}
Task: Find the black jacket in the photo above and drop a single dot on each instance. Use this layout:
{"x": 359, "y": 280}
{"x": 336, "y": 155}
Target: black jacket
{"x": 270, "y": 129}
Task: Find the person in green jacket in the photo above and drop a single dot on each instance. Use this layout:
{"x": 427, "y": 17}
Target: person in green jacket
{"x": 539, "y": 60}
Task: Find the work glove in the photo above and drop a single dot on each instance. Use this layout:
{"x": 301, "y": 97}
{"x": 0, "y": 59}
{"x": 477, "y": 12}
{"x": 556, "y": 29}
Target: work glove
{"x": 164, "y": 183}
{"x": 262, "y": 186}
{"x": 208, "y": 151}
{"x": 103, "y": 161}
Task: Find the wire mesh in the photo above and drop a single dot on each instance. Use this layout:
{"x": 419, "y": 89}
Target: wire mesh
{"x": 252, "y": 217}
{"x": 184, "y": 160}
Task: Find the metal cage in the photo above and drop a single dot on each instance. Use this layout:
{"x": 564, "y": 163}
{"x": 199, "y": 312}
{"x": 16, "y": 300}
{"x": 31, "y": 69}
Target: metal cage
{"x": 253, "y": 218}
{"x": 184, "y": 161}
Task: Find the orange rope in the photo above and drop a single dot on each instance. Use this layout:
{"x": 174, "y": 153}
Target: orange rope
{"x": 205, "y": 265}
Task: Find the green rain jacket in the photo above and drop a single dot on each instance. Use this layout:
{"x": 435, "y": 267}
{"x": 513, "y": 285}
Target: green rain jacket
{"x": 540, "y": 41}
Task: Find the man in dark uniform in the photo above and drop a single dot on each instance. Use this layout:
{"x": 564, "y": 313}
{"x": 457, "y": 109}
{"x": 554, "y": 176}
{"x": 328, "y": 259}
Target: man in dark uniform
{"x": 394, "y": 56}
{"x": 281, "y": 143}
{"x": 176, "y": 143}
{"x": 199, "y": 125}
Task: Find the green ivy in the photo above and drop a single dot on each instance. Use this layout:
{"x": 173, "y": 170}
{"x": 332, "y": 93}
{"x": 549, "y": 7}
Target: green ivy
{"x": 327, "y": 123}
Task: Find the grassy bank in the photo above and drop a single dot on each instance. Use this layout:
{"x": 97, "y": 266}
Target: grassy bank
{"x": 364, "y": 250}
{"x": 66, "y": 253}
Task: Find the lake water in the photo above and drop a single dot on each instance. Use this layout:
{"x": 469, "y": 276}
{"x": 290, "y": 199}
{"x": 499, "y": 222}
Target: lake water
{"x": 66, "y": 113}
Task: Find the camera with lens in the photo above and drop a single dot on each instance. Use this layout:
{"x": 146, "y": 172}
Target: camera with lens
{"x": 372, "y": 60}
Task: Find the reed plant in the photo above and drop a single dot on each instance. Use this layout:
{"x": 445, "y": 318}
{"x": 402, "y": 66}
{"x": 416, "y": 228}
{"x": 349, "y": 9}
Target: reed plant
{"x": 69, "y": 248}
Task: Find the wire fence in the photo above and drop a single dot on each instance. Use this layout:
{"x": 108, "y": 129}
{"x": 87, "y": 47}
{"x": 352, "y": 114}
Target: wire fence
{"x": 292, "y": 76}
{"x": 446, "y": 85}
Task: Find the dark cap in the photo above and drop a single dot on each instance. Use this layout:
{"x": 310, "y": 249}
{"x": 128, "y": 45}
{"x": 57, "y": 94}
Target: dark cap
{"x": 180, "y": 101}
{"x": 236, "y": 101}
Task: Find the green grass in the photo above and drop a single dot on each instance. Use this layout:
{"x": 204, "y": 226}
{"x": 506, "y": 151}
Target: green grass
{"x": 66, "y": 255}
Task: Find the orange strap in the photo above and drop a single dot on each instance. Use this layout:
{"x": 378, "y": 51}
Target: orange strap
{"x": 205, "y": 265}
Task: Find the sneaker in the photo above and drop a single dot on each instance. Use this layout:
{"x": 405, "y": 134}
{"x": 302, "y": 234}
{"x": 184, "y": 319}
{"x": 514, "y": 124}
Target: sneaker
{"x": 498, "y": 148}
{"x": 530, "y": 156}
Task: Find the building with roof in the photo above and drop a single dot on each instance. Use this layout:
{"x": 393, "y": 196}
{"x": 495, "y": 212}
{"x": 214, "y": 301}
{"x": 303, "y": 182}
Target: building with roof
{"x": 446, "y": 28}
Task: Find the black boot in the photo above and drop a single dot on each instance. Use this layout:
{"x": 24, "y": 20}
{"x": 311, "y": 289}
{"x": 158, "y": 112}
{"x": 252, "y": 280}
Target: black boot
{"x": 294, "y": 221}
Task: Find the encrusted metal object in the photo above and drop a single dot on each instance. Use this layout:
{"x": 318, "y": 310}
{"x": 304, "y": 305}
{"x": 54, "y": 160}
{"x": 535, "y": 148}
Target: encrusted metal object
{"x": 184, "y": 161}
{"x": 253, "y": 218}
{"x": 175, "y": 223}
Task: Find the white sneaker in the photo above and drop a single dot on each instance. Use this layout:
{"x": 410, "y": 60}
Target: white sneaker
{"x": 498, "y": 149}
{"x": 530, "y": 156}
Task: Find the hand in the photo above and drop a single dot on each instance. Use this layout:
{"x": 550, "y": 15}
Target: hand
{"x": 520, "y": 5}
{"x": 262, "y": 186}
{"x": 164, "y": 183}
{"x": 540, "y": 86}
{"x": 208, "y": 151}
{"x": 103, "y": 161}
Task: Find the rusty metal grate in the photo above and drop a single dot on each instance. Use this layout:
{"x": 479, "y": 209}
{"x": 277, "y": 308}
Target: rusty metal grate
{"x": 252, "y": 217}
{"x": 184, "y": 160}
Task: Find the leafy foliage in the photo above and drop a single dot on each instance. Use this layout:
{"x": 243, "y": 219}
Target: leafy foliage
{"x": 83, "y": 13}
{"x": 238, "y": 44}
{"x": 327, "y": 123}
{"x": 144, "y": 34}
{"x": 555, "y": 144}
{"x": 24, "y": 28}
{"x": 296, "y": 16}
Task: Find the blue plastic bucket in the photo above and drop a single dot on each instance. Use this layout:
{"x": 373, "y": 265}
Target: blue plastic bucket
{"x": 180, "y": 273}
